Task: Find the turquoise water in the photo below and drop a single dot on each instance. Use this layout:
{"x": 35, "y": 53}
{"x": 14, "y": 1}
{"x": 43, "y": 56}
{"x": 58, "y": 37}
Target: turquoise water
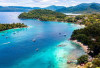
{"x": 19, "y": 51}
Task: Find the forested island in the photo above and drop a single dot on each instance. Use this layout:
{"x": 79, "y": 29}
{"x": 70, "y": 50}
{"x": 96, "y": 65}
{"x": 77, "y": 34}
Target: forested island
{"x": 11, "y": 26}
{"x": 89, "y": 36}
{"x": 42, "y": 14}
{"x": 49, "y": 15}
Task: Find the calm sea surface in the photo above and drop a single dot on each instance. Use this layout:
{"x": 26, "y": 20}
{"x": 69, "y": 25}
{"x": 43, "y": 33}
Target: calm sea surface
{"x": 19, "y": 51}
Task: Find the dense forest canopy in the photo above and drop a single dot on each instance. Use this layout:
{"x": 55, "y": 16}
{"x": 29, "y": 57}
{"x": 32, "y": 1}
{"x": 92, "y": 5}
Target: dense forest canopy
{"x": 48, "y": 15}
{"x": 42, "y": 14}
{"x": 89, "y": 36}
{"x": 11, "y": 26}
{"x": 83, "y": 19}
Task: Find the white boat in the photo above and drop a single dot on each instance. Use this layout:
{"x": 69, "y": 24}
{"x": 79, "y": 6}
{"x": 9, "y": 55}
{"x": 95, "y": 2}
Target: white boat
{"x": 59, "y": 33}
{"x": 2, "y": 34}
{"x": 6, "y": 36}
{"x": 37, "y": 49}
{"x": 14, "y": 33}
{"x": 65, "y": 35}
{"x": 34, "y": 40}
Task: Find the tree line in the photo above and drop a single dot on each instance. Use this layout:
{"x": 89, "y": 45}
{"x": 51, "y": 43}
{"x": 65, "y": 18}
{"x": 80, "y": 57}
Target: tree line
{"x": 89, "y": 36}
{"x": 11, "y": 26}
{"x": 49, "y": 15}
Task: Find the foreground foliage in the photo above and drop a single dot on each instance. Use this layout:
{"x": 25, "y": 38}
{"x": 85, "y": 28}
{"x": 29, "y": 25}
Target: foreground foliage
{"x": 89, "y": 36}
{"x": 83, "y": 59}
{"x": 11, "y": 26}
{"x": 94, "y": 64}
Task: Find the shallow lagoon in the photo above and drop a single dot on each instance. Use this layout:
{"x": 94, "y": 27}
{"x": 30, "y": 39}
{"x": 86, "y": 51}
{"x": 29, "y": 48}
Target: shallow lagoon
{"x": 19, "y": 51}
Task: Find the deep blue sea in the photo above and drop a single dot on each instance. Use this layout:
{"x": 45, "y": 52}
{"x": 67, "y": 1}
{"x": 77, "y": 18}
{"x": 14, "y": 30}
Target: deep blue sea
{"x": 19, "y": 51}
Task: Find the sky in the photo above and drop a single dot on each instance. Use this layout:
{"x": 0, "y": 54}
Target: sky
{"x": 44, "y": 3}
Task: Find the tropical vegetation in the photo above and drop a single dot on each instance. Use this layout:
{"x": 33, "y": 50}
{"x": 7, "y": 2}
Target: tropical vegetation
{"x": 42, "y": 14}
{"x": 95, "y": 63}
{"x": 83, "y": 19}
{"x": 49, "y": 15}
{"x": 11, "y": 26}
{"x": 89, "y": 36}
{"x": 83, "y": 59}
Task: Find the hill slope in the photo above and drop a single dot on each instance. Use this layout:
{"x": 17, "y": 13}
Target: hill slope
{"x": 53, "y": 7}
{"x": 89, "y": 36}
{"x": 42, "y": 14}
{"x": 25, "y": 9}
{"x": 81, "y": 8}
{"x": 16, "y": 9}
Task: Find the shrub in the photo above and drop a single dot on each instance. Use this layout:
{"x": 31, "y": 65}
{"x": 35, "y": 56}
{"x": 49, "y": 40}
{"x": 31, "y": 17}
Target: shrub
{"x": 96, "y": 62}
{"x": 82, "y": 59}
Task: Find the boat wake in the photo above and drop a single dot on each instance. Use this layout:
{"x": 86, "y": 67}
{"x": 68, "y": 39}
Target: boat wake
{"x": 6, "y": 43}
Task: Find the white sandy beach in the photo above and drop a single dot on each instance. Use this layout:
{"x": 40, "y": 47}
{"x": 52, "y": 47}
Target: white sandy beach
{"x": 85, "y": 48}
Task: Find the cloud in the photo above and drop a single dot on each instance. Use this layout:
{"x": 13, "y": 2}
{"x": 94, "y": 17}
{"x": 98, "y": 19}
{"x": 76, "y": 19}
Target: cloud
{"x": 44, "y": 3}
{"x": 41, "y": 0}
{"x": 45, "y": 0}
{"x": 56, "y": 1}
{"x": 73, "y": 1}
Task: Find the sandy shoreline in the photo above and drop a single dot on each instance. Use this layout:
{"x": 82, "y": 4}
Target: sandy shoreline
{"x": 85, "y": 48}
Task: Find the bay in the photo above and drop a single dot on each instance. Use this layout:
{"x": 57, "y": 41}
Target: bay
{"x": 19, "y": 51}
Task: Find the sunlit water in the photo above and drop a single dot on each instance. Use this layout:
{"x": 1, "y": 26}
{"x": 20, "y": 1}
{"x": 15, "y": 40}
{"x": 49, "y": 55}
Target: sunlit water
{"x": 19, "y": 51}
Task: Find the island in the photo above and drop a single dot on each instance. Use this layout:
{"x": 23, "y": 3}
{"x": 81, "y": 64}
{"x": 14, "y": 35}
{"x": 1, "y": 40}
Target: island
{"x": 90, "y": 37}
{"x": 42, "y": 14}
{"x": 49, "y": 15}
{"x": 11, "y": 26}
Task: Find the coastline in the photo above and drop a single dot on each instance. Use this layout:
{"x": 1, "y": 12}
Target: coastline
{"x": 15, "y": 28}
{"x": 82, "y": 25}
{"x": 84, "y": 47}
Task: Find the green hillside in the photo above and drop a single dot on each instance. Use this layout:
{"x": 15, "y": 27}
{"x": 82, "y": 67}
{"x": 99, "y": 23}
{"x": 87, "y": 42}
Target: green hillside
{"x": 82, "y": 8}
{"x": 42, "y": 14}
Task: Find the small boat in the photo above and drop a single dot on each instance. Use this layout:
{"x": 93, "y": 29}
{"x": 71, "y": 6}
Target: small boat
{"x": 37, "y": 49}
{"x": 14, "y": 33}
{"x": 74, "y": 61}
{"x": 33, "y": 40}
{"x": 2, "y": 34}
{"x": 6, "y": 43}
{"x": 6, "y": 36}
{"x": 59, "y": 33}
{"x": 65, "y": 35}
{"x": 59, "y": 45}
{"x": 68, "y": 62}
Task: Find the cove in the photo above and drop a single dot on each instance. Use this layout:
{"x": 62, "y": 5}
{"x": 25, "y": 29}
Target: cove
{"x": 19, "y": 51}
